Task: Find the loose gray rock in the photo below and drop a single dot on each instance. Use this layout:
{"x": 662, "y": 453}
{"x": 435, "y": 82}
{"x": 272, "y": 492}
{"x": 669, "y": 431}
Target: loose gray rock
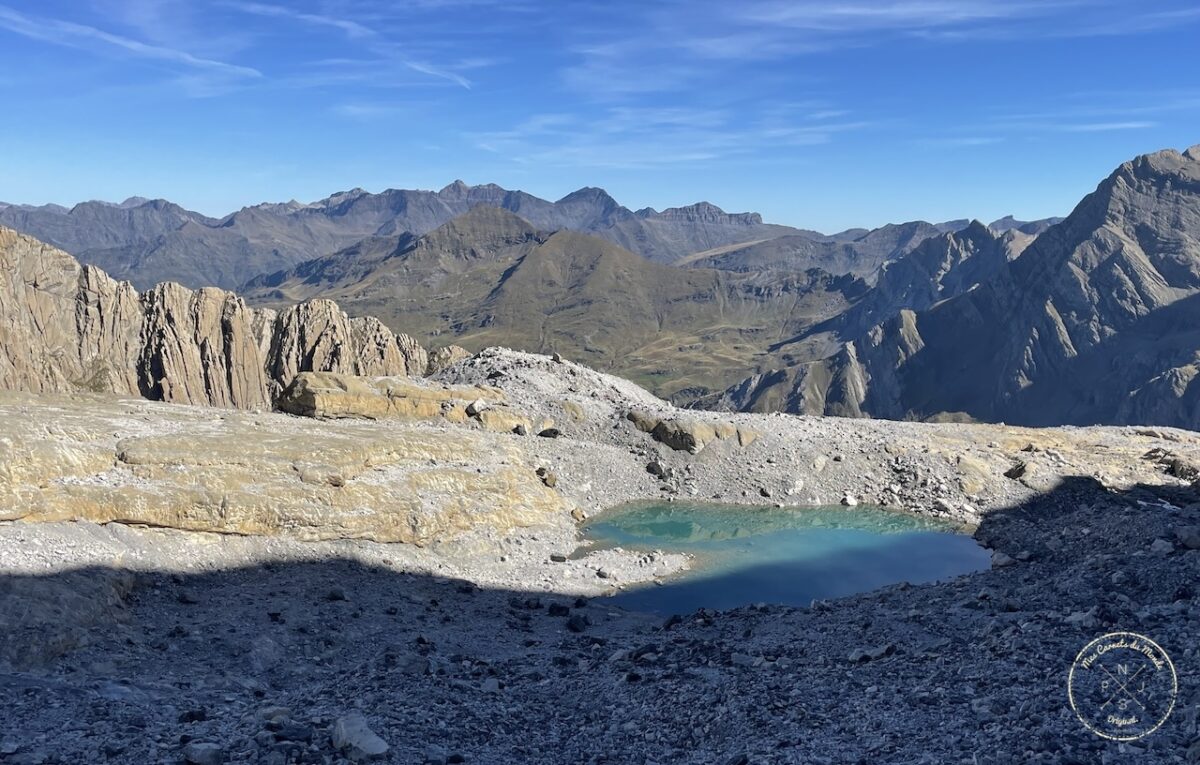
{"x": 475, "y": 407}
{"x": 1188, "y": 536}
{"x": 1001, "y": 560}
{"x": 353, "y": 736}
{"x": 1162, "y": 547}
{"x": 201, "y": 753}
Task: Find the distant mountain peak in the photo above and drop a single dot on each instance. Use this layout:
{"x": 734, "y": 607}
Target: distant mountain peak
{"x": 340, "y": 197}
{"x": 490, "y": 215}
{"x": 483, "y": 225}
{"x": 976, "y": 227}
{"x": 707, "y": 212}
{"x": 456, "y": 188}
{"x": 1031, "y": 227}
{"x": 589, "y": 194}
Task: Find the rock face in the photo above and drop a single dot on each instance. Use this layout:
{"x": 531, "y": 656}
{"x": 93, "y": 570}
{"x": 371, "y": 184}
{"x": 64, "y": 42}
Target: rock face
{"x": 241, "y": 473}
{"x": 939, "y": 268}
{"x": 64, "y": 326}
{"x": 1095, "y": 322}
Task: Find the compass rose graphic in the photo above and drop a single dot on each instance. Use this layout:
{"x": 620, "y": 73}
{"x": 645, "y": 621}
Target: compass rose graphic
{"x": 1122, "y": 686}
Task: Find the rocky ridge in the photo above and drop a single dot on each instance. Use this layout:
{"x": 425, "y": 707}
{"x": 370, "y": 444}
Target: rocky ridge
{"x": 65, "y": 326}
{"x": 152, "y": 241}
{"x": 1093, "y": 322}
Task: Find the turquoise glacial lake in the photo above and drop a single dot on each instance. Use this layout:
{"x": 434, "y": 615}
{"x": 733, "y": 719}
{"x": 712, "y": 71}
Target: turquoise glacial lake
{"x": 751, "y": 554}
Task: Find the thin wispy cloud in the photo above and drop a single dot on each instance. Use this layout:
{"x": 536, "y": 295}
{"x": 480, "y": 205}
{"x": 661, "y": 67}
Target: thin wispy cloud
{"x": 866, "y": 16}
{"x": 81, "y": 36}
{"x": 1109, "y": 117}
{"x": 674, "y": 46}
{"x": 352, "y": 28}
{"x": 958, "y": 142}
{"x": 375, "y": 42}
{"x": 645, "y": 137}
{"x": 377, "y": 110}
{"x": 1104, "y": 127}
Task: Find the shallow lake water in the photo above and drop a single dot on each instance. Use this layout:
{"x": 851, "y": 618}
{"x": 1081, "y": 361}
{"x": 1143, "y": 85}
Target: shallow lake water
{"x": 751, "y": 554}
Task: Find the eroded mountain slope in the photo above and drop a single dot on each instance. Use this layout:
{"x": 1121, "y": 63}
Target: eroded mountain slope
{"x": 1094, "y": 322}
{"x": 491, "y": 278}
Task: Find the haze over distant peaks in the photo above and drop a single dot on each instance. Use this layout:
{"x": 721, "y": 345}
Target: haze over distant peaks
{"x": 149, "y": 241}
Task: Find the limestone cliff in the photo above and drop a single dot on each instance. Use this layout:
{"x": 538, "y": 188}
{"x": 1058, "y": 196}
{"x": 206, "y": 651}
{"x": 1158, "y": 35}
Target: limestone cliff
{"x": 65, "y": 326}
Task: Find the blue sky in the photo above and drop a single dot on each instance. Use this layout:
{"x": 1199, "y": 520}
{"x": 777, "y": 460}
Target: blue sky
{"x": 823, "y": 115}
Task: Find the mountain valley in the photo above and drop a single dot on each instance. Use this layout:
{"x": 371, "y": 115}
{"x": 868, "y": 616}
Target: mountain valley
{"x": 725, "y": 311}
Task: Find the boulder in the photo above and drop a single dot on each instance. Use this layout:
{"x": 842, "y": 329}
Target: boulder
{"x": 1188, "y": 536}
{"x": 504, "y": 420}
{"x": 1162, "y": 547}
{"x": 354, "y": 737}
{"x": 746, "y": 436}
{"x": 446, "y": 356}
{"x": 690, "y": 435}
{"x": 643, "y": 421}
{"x": 684, "y": 435}
{"x": 201, "y": 753}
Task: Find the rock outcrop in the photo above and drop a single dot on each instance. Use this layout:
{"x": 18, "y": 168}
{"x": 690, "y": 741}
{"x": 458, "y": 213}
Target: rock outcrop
{"x": 690, "y": 435}
{"x": 255, "y": 474}
{"x": 65, "y": 326}
{"x": 446, "y": 356}
{"x": 326, "y": 395}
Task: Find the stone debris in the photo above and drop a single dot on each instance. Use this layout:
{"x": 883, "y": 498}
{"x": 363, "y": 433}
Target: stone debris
{"x": 439, "y": 670}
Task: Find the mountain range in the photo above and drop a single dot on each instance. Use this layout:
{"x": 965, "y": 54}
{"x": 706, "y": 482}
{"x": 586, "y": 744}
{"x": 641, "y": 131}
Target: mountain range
{"x": 150, "y": 241}
{"x": 1095, "y": 321}
{"x": 147, "y": 242}
{"x": 1084, "y": 319}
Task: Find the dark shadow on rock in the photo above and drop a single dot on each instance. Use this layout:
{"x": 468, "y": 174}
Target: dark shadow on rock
{"x": 108, "y": 666}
